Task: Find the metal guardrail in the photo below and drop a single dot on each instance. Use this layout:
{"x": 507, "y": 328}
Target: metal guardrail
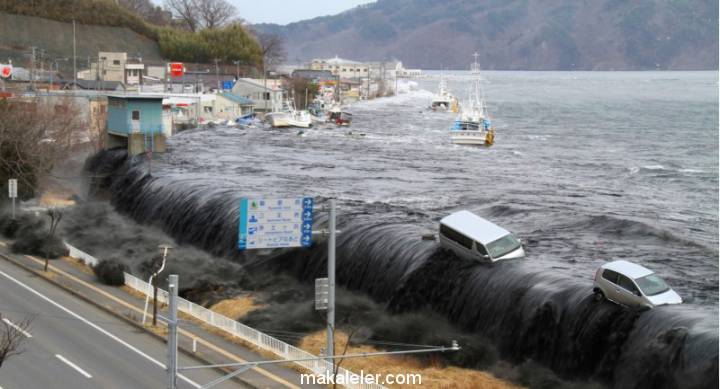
{"x": 248, "y": 334}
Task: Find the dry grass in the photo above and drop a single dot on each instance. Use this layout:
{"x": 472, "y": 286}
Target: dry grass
{"x": 236, "y": 308}
{"x": 78, "y": 264}
{"x": 57, "y": 197}
{"x": 432, "y": 376}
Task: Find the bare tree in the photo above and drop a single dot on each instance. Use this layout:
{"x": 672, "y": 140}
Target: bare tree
{"x": 139, "y": 7}
{"x": 198, "y": 14}
{"x": 147, "y": 10}
{"x": 33, "y": 137}
{"x": 12, "y": 336}
{"x": 272, "y": 47}
{"x": 55, "y": 216}
{"x": 215, "y": 13}
{"x": 185, "y": 11}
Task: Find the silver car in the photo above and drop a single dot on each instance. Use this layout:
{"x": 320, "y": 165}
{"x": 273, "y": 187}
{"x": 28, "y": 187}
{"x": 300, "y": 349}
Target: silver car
{"x": 632, "y": 285}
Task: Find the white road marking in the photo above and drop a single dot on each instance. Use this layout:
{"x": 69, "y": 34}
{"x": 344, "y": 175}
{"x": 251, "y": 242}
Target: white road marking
{"x": 100, "y": 329}
{"x": 17, "y": 328}
{"x": 74, "y": 366}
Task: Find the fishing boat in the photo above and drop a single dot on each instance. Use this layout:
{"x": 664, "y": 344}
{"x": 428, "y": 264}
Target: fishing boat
{"x": 472, "y": 125}
{"x": 288, "y": 116}
{"x": 339, "y": 116}
{"x": 443, "y": 100}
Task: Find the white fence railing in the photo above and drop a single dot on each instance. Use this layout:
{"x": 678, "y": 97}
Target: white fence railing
{"x": 250, "y": 335}
{"x": 81, "y": 255}
{"x": 235, "y": 328}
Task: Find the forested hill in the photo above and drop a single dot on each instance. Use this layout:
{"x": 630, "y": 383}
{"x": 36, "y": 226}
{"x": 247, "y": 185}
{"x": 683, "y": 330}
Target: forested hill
{"x": 516, "y": 34}
{"x": 105, "y": 25}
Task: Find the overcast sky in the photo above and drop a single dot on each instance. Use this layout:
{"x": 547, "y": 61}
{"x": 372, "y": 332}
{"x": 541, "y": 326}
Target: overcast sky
{"x": 288, "y": 11}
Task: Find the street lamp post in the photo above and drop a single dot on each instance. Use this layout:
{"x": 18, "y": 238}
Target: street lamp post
{"x": 153, "y": 282}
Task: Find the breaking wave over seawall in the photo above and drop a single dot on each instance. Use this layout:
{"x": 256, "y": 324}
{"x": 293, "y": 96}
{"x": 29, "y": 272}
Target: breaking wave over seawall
{"x": 575, "y": 200}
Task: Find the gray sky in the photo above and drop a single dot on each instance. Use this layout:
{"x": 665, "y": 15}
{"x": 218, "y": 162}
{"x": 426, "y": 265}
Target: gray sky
{"x": 288, "y": 11}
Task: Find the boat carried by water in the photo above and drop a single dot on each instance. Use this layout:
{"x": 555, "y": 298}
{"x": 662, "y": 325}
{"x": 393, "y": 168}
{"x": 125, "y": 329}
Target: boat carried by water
{"x": 472, "y": 125}
{"x": 339, "y": 116}
{"x": 443, "y": 100}
{"x": 288, "y": 116}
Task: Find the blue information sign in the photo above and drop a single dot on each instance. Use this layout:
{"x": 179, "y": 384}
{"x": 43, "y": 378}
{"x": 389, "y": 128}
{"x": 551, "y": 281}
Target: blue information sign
{"x": 275, "y": 223}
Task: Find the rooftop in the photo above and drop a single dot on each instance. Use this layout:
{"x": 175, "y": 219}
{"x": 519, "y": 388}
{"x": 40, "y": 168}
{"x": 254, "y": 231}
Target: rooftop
{"x": 236, "y": 99}
{"x": 475, "y": 227}
{"x": 629, "y": 269}
{"x": 338, "y": 61}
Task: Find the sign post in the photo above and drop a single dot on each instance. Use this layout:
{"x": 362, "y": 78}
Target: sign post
{"x": 12, "y": 193}
{"x": 321, "y": 294}
{"x": 331, "y": 288}
{"x": 275, "y": 223}
{"x": 171, "y": 365}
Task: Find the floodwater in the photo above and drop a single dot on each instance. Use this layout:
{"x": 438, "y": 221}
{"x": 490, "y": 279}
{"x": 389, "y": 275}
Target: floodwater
{"x": 587, "y": 167}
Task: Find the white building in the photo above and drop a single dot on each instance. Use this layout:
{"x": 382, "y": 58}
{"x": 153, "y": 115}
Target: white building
{"x": 344, "y": 68}
{"x": 401, "y": 72}
{"x": 266, "y": 94}
{"x": 113, "y": 66}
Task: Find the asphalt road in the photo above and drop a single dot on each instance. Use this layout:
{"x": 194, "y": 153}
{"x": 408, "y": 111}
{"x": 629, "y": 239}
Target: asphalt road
{"x": 75, "y": 345}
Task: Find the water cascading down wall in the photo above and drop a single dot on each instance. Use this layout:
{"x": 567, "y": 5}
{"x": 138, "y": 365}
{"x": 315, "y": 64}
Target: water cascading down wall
{"x": 528, "y": 313}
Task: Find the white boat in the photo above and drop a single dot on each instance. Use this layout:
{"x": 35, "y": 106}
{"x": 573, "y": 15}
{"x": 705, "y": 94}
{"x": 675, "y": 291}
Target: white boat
{"x": 288, "y": 116}
{"x": 472, "y": 125}
{"x": 443, "y": 100}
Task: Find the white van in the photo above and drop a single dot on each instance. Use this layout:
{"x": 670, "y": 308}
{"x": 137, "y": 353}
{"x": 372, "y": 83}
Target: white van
{"x": 472, "y": 237}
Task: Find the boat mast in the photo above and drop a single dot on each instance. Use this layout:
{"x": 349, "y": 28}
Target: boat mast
{"x": 479, "y": 93}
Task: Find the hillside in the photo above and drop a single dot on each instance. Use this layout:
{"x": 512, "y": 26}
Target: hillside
{"x": 56, "y": 38}
{"x": 516, "y": 34}
{"x": 104, "y": 25}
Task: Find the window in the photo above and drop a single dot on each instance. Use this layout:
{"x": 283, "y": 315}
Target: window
{"x": 610, "y": 275}
{"x": 116, "y": 62}
{"x": 652, "y": 285}
{"x": 480, "y": 248}
{"x": 135, "y": 115}
{"x": 502, "y": 246}
{"x": 456, "y": 236}
{"x": 266, "y": 96}
{"x": 626, "y": 284}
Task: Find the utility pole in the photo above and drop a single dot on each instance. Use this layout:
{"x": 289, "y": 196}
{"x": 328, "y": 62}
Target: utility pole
{"x": 331, "y": 287}
{"x": 217, "y": 74}
{"x": 237, "y": 69}
{"x": 32, "y": 68}
{"x": 74, "y": 58}
{"x": 265, "y": 92}
{"x": 172, "y": 332}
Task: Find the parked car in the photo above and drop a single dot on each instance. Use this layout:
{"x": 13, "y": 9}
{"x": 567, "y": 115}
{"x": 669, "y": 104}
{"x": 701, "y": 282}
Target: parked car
{"x": 630, "y": 284}
{"x": 474, "y": 238}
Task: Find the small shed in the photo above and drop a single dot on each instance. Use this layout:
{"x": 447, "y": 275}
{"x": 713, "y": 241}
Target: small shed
{"x": 136, "y": 121}
{"x": 231, "y": 106}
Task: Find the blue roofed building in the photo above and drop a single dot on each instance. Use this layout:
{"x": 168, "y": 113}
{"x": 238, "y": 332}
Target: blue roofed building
{"x": 230, "y": 106}
{"x": 137, "y": 122}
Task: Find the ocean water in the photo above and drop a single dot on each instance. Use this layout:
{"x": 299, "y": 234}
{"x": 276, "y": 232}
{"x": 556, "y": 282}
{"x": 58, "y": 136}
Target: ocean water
{"x": 587, "y": 167}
